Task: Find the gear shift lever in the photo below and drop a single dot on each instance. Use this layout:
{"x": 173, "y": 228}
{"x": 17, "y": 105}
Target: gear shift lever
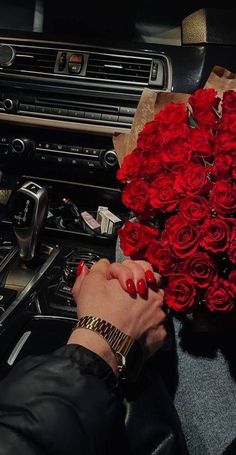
{"x": 31, "y": 205}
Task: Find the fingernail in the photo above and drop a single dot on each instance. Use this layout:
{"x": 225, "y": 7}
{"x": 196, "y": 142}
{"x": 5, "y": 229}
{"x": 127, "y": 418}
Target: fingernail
{"x": 79, "y": 268}
{"x": 150, "y": 278}
{"x": 141, "y": 287}
{"x": 130, "y": 286}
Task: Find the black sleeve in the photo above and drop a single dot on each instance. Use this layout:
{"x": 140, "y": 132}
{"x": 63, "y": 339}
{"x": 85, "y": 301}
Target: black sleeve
{"x": 67, "y": 402}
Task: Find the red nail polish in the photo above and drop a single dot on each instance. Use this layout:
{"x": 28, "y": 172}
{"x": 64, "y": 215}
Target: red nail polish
{"x": 150, "y": 278}
{"x": 130, "y": 286}
{"x": 141, "y": 287}
{"x": 79, "y": 268}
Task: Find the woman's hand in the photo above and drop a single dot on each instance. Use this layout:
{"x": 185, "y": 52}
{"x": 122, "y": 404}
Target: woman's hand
{"x": 99, "y": 293}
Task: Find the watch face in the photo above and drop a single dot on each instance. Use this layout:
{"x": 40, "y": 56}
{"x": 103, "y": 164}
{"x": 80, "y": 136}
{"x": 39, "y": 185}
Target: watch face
{"x": 133, "y": 362}
{"x": 121, "y": 364}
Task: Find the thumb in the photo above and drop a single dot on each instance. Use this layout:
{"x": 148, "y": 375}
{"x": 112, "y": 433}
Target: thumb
{"x": 82, "y": 272}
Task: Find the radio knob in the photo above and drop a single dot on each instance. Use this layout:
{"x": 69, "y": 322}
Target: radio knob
{"x": 10, "y": 105}
{"x": 110, "y": 158}
{"x": 22, "y": 146}
{"x": 7, "y": 55}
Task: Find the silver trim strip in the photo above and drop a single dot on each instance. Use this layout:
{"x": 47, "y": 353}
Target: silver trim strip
{"x": 116, "y": 190}
{"x": 32, "y": 283}
{"x": 18, "y": 347}
{"x": 66, "y": 125}
{"x": 49, "y": 317}
{"x": 103, "y": 122}
{"x": 8, "y": 258}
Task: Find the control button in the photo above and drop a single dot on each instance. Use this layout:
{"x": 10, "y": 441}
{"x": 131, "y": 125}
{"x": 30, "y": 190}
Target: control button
{"x": 127, "y": 110}
{"x": 10, "y": 105}
{"x": 74, "y": 162}
{"x": 73, "y": 113}
{"x": 4, "y": 151}
{"x": 110, "y": 118}
{"x": 41, "y": 157}
{"x": 18, "y": 146}
{"x": 154, "y": 71}
{"x": 42, "y": 109}
{"x": 33, "y": 187}
{"x": 58, "y": 111}
{"x": 62, "y": 61}
{"x": 75, "y": 149}
{"x": 93, "y": 115}
{"x": 27, "y": 107}
{"x": 59, "y": 147}
{"x": 3, "y": 140}
{"x": 110, "y": 158}
{"x": 76, "y": 58}
{"x": 91, "y": 164}
{"x": 74, "y": 68}
{"x": 64, "y": 288}
{"x": 124, "y": 119}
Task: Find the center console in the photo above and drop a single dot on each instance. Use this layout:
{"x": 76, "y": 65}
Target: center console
{"x": 60, "y": 106}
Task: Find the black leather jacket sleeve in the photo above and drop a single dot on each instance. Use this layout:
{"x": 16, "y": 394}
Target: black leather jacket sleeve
{"x": 67, "y": 402}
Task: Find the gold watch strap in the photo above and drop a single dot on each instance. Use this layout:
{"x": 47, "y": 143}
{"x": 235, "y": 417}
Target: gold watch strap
{"x": 119, "y": 342}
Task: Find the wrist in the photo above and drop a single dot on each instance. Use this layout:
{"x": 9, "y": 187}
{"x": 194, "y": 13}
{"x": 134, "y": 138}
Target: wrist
{"x": 96, "y": 343}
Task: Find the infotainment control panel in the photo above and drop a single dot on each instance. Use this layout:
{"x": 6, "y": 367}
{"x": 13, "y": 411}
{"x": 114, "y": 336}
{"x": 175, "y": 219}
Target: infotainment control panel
{"x": 81, "y": 156}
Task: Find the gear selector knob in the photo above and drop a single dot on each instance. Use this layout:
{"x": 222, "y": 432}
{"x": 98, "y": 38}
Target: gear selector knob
{"x": 30, "y": 212}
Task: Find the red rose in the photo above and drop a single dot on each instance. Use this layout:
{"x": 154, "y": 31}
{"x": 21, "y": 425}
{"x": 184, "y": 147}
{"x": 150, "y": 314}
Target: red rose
{"x": 132, "y": 166}
{"x": 220, "y": 296}
{"x": 178, "y": 150}
{"x": 148, "y": 138}
{"x": 223, "y": 198}
{"x": 202, "y": 142}
{"x": 223, "y": 166}
{"x": 152, "y": 166}
{"x": 232, "y": 252}
{"x": 194, "y": 209}
{"x": 203, "y": 103}
{"x": 225, "y": 144}
{"x": 162, "y": 194}
{"x": 232, "y": 280}
{"x": 134, "y": 238}
{"x": 161, "y": 257}
{"x": 135, "y": 196}
{"x": 193, "y": 179}
{"x": 228, "y": 123}
{"x": 172, "y": 114}
{"x": 216, "y": 235}
{"x": 180, "y": 294}
{"x": 201, "y": 268}
{"x": 229, "y": 102}
{"x": 170, "y": 228}
{"x": 183, "y": 238}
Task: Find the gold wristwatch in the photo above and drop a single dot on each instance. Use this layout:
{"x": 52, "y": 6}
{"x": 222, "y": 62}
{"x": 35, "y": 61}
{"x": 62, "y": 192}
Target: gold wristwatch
{"x": 127, "y": 350}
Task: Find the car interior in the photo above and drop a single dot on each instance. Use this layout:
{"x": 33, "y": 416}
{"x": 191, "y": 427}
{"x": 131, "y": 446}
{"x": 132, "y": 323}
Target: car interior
{"x": 71, "y": 76}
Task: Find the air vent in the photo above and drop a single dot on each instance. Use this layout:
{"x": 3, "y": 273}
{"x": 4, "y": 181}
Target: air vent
{"x": 87, "y": 68}
{"x": 119, "y": 69}
{"x": 30, "y": 59}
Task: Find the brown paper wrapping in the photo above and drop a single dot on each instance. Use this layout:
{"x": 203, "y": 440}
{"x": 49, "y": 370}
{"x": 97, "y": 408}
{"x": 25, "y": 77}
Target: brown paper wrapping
{"x": 152, "y": 102}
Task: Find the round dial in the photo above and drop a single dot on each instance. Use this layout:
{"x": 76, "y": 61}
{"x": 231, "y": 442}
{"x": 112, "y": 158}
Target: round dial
{"x": 7, "y": 55}
{"x": 21, "y": 146}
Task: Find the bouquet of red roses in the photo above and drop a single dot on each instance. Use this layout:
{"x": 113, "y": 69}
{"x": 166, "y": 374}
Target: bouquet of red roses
{"x": 180, "y": 185}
